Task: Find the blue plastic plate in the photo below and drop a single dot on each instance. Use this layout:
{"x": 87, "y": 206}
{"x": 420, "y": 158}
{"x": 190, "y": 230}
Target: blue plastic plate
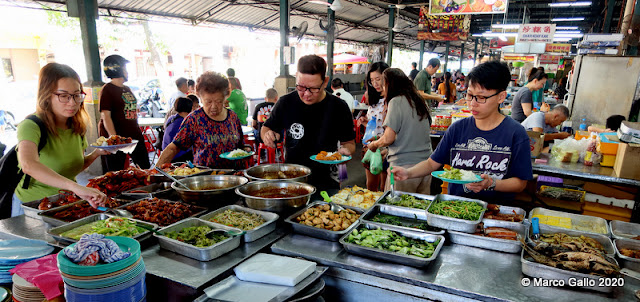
{"x": 22, "y": 249}
{"x": 331, "y": 162}
{"x": 226, "y": 156}
{"x": 437, "y": 174}
{"x": 126, "y": 244}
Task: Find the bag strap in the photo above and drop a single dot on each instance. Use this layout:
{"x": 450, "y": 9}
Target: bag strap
{"x": 44, "y": 134}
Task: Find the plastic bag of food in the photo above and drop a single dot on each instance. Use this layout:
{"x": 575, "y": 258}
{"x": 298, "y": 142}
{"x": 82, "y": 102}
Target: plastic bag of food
{"x": 367, "y": 157}
{"x": 569, "y": 150}
{"x": 376, "y": 163}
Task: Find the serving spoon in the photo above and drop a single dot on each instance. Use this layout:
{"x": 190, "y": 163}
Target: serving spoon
{"x": 394, "y": 197}
{"x": 172, "y": 178}
{"x": 229, "y": 233}
{"x": 119, "y": 212}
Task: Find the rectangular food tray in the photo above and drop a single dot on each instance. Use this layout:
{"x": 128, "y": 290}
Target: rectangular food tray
{"x": 160, "y": 189}
{"x": 255, "y": 234}
{"x": 625, "y": 261}
{"x": 199, "y": 210}
{"x": 379, "y": 209}
{"x": 495, "y": 244}
{"x": 539, "y": 270}
{"x": 161, "y": 178}
{"x": 609, "y": 249}
{"x": 47, "y": 216}
{"x": 199, "y": 253}
{"x": 391, "y": 256}
{"x": 405, "y": 211}
{"x": 624, "y": 230}
{"x": 508, "y": 210}
{"x": 454, "y": 224}
{"x": 318, "y": 232}
{"x": 581, "y": 220}
{"x": 31, "y": 208}
{"x": 57, "y": 231}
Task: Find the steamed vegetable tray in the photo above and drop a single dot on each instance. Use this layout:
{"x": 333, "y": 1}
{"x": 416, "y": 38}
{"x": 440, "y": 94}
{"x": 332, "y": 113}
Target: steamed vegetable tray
{"x": 403, "y": 222}
{"x": 196, "y": 236}
{"x": 392, "y": 241}
{"x": 460, "y": 209}
{"x": 409, "y": 201}
{"x": 113, "y": 226}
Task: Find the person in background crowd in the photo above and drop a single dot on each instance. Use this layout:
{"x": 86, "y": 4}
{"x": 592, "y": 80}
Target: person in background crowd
{"x": 183, "y": 107}
{"x": 195, "y": 100}
{"x": 613, "y": 124}
{"x": 210, "y": 130}
{"x": 375, "y": 96}
{"x": 423, "y": 80}
{"x": 547, "y": 122}
{"x": 414, "y": 71}
{"x": 487, "y": 143}
{"x": 447, "y": 88}
{"x": 262, "y": 112}
{"x": 231, "y": 75}
{"x": 313, "y": 121}
{"x": 434, "y": 84}
{"x": 407, "y": 118}
{"x": 461, "y": 88}
{"x": 237, "y": 102}
{"x": 338, "y": 90}
{"x": 191, "y": 84}
{"x": 60, "y": 107}
{"x": 561, "y": 90}
{"x": 538, "y": 95}
{"x": 523, "y": 101}
{"x": 119, "y": 114}
{"x": 183, "y": 89}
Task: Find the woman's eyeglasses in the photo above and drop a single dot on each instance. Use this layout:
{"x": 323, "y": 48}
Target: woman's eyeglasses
{"x": 67, "y": 97}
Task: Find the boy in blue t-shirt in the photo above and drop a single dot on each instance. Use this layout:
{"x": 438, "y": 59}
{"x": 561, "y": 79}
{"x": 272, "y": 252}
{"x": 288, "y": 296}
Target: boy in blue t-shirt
{"x": 488, "y": 143}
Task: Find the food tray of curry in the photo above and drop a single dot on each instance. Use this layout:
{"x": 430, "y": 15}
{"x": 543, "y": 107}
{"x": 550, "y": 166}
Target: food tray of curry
{"x": 316, "y": 220}
{"x": 256, "y": 224}
{"x": 393, "y": 244}
{"x": 492, "y": 235}
{"x": 162, "y": 212}
{"x": 74, "y": 211}
{"x": 455, "y": 213}
{"x": 409, "y": 205}
{"x": 379, "y": 214}
{"x": 102, "y": 224}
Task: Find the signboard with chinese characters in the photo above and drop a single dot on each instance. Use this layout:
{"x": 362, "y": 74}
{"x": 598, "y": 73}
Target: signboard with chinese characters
{"x": 556, "y": 47}
{"x": 549, "y": 59}
{"x": 519, "y": 58}
{"x": 442, "y": 28}
{"x": 537, "y": 33}
{"x": 467, "y": 7}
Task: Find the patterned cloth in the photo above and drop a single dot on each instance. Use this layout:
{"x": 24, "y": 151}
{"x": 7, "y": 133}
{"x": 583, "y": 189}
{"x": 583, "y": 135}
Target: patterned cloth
{"x": 208, "y": 139}
{"x": 107, "y": 249}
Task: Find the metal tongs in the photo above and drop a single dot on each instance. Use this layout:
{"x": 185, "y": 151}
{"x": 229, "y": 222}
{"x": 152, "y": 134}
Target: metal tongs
{"x": 394, "y": 197}
{"x": 172, "y": 178}
{"x": 336, "y": 208}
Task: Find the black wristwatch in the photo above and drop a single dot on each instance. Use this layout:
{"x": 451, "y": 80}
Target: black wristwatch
{"x": 492, "y": 186}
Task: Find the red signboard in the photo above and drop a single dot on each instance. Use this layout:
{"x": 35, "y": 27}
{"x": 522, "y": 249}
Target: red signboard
{"x": 556, "y": 47}
{"x": 549, "y": 59}
{"x": 519, "y": 58}
{"x": 442, "y": 27}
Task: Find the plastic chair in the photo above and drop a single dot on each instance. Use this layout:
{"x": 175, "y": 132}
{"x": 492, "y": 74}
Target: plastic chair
{"x": 271, "y": 153}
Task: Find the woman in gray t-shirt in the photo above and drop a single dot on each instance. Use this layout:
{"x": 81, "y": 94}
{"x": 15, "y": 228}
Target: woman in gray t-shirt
{"x": 522, "y": 105}
{"x": 407, "y": 129}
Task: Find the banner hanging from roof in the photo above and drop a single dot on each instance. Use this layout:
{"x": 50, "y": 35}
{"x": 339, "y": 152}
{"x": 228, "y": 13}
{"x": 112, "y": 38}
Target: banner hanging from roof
{"x": 536, "y": 33}
{"x": 467, "y": 7}
{"x": 443, "y": 27}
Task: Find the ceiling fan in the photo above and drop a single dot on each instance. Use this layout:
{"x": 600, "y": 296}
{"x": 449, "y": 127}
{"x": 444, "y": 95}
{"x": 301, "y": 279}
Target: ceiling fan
{"x": 335, "y": 6}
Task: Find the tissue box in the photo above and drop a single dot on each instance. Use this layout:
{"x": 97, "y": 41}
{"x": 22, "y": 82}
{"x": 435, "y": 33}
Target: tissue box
{"x": 626, "y": 165}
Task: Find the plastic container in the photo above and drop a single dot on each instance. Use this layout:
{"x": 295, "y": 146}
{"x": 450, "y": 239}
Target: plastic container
{"x": 583, "y": 124}
{"x": 608, "y": 160}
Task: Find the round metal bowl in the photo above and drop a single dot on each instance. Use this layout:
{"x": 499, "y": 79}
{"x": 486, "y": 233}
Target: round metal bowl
{"x": 258, "y": 172}
{"x": 225, "y": 183}
{"x": 250, "y": 190}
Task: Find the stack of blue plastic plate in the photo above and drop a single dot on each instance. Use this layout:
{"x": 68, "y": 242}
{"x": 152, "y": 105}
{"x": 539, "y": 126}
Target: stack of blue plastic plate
{"x": 17, "y": 251}
{"x": 123, "y": 280}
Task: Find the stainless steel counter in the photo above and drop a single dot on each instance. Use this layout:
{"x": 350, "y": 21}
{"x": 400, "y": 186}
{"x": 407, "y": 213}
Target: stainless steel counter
{"x": 595, "y": 173}
{"x": 458, "y": 271}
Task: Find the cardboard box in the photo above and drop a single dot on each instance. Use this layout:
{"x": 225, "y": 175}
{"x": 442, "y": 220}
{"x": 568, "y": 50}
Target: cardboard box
{"x": 536, "y": 142}
{"x": 626, "y": 165}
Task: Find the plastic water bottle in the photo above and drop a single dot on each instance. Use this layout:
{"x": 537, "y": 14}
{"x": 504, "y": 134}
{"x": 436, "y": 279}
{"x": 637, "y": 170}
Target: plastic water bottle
{"x": 583, "y": 124}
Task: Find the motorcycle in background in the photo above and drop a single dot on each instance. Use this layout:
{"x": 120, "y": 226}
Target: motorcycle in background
{"x": 149, "y": 100}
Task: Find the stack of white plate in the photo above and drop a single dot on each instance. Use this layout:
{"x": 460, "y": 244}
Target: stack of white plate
{"x": 24, "y": 291}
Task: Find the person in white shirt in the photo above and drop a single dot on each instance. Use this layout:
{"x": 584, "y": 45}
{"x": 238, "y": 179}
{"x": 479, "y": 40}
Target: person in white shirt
{"x": 338, "y": 90}
{"x": 183, "y": 88}
{"x": 547, "y": 122}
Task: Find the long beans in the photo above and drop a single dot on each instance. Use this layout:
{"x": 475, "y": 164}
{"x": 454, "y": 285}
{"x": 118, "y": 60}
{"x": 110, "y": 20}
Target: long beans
{"x": 460, "y": 209}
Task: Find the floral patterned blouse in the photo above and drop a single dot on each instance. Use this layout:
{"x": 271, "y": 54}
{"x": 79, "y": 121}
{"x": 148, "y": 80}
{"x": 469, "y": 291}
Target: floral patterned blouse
{"x": 210, "y": 138}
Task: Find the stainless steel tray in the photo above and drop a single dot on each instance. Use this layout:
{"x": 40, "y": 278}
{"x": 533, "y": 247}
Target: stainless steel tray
{"x": 625, "y": 261}
{"x": 609, "y": 249}
{"x": 57, "y": 231}
{"x": 495, "y": 244}
{"x": 454, "y": 224}
{"x": 31, "y": 208}
{"x": 197, "y": 209}
{"x": 624, "y": 230}
{"x": 161, "y": 178}
{"x": 47, "y": 216}
{"x": 199, "y": 253}
{"x": 379, "y": 209}
{"x": 318, "y": 232}
{"x": 509, "y": 210}
{"x": 391, "y": 256}
{"x": 579, "y": 222}
{"x": 255, "y": 234}
{"x": 405, "y": 211}
{"x": 539, "y": 270}
{"x": 159, "y": 189}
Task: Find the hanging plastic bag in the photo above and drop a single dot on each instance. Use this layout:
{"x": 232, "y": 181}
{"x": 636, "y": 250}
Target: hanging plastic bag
{"x": 342, "y": 172}
{"x": 367, "y": 157}
{"x": 376, "y": 163}
{"x": 370, "y": 131}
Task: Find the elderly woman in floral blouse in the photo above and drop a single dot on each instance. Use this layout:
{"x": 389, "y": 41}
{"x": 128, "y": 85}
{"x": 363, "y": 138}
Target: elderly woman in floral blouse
{"x": 210, "y": 130}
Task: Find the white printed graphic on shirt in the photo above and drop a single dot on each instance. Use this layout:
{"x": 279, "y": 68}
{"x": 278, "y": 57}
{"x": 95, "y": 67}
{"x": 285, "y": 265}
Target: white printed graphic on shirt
{"x": 297, "y": 131}
{"x": 480, "y": 156}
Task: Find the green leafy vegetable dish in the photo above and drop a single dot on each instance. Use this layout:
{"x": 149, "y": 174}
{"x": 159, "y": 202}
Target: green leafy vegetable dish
{"x": 401, "y": 221}
{"x": 112, "y": 226}
{"x": 460, "y": 209}
{"x": 392, "y": 241}
{"x": 458, "y": 174}
{"x": 196, "y": 236}
{"x": 409, "y": 201}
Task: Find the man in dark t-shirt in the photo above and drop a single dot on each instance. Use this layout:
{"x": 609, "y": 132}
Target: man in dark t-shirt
{"x": 262, "y": 112}
{"x": 414, "y": 71}
{"x": 313, "y": 121}
{"x": 119, "y": 114}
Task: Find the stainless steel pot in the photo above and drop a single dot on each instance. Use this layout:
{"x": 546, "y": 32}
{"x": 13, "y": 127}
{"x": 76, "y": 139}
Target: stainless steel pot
{"x": 258, "y": 172}
{"x": 252, "y": 190}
